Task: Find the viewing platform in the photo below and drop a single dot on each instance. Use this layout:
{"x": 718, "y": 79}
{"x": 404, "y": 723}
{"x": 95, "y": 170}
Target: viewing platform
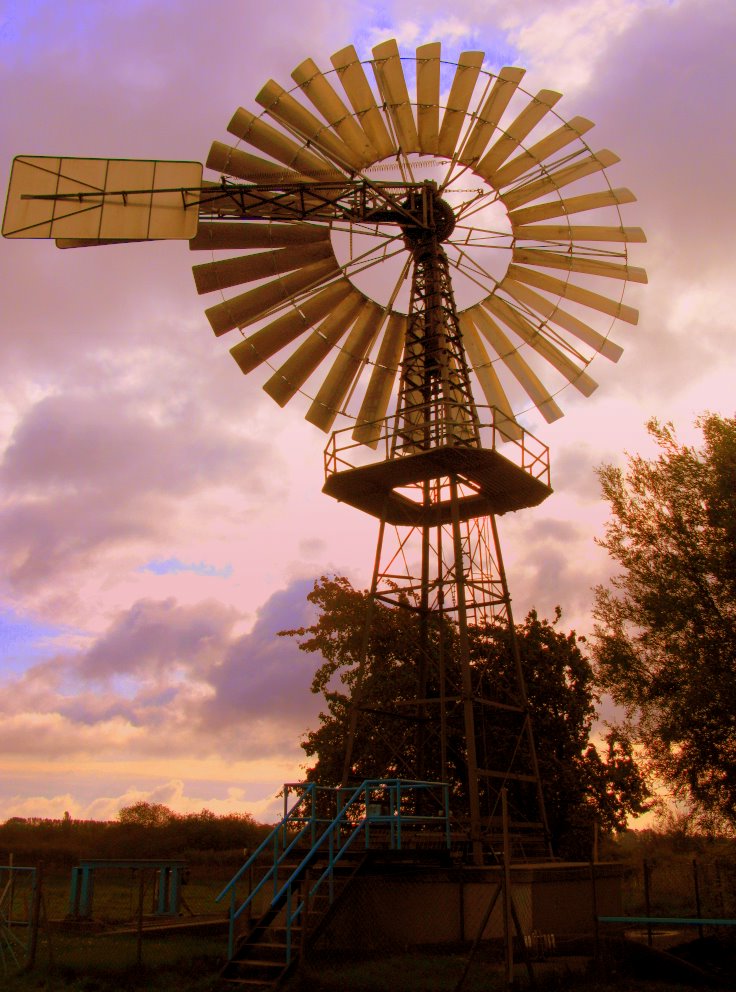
{"x": 411, "y": 483}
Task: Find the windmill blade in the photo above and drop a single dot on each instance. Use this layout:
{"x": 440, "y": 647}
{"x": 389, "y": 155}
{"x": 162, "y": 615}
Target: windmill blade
{"x": 248, "y": 127}
{"x": 509, "y": 354}
{"x": 579, "y": 232}
{"x": 561, "y": 287}
{"x": 428, "y": 97}
{"x": 240, "y": 311}
{"x": 572, "y": 205}
{"x": 315, "y": 86}
{"x": 551, "y": 311}
{"x": 392, "y": 87}
{"x": 463, "y": 84}
{"x": 559, "y": 178}
{"x": 231, "y": 161}
{"x": 532, "y": 336}
{"x": 229, "y": 272}
{"x": 489, "y": 381}
{"x": 346, "y": 367}
{"x": 574, "y": 263}
{"x": 282, "y": 106}
{"x": 498, "y": 99}
{"x": 515, "y": 133}
{"x": 378, "y": 393}
{"x": 295, "y": 371}
{"x": 269, "y": 340}
{"x": 532, "y": 157}
{"x": 218, "y": 234}
{"x": 358, "y": 89}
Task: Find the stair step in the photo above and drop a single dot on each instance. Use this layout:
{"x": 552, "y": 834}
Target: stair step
{"x": 257, "y": 963}
{"x": 253, "y": 983}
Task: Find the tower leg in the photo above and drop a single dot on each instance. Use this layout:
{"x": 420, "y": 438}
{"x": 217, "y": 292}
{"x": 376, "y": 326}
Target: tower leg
{"x": 459, "y": 708}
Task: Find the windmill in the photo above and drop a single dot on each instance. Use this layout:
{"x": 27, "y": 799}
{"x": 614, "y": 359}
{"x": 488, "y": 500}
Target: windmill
{"x": 391, "y": 239}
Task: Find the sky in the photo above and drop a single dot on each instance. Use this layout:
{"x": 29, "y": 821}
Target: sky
{"x": 160, "y": 517}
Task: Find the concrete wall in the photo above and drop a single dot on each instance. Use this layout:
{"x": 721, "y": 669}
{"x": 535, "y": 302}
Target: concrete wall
{"x": 399, "y": 909}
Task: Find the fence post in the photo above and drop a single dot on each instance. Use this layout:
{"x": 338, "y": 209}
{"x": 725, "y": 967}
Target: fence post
{"x": 11, "y": 894}
{"x": 696, "y": 883}
{"x": 647, "y": 906}
{"x": 35, "y": 917}
{"x": 507, "y": 932}
{"x": 596, "y": 931}
{"x": 139, "y": 921}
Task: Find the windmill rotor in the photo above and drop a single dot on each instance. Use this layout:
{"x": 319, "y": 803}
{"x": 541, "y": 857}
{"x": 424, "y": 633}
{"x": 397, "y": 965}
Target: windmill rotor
{"x": 324, "y": 305}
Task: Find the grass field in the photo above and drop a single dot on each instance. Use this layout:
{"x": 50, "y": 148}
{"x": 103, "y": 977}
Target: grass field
{"x": 97, "y": 957}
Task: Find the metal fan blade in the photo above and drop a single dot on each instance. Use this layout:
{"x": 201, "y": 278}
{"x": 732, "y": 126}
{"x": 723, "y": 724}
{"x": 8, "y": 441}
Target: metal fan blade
{"x": 489, "y": 381}
{"x": 550, "y": 311}
{"x": 392, "y": 86}
{"x": 231, "y": 161}
{"x": 267, "y": 139}
{"x": 317, "y": 89}
{"x": 578, "y": 232}
{"x": 359, "y": 92}
{"x": 378, "y": 393}
{"x": 346, "y": 367}
{"x": 242, "y": 310}
{"x": 531, "y": 335}
{"x": 463, "y": 84}
{"x": 295, "y": 371}
{"x": 267, "y": 341}
{"x": 559, "y": 178}
{"x": 428, "y": 97}
{"x": 532, "y": 157}
{"x": 572, "y": 205}
{"x": 248, "y": 268}
{"x": 561, "y": 287}
{"x": 574, "y": 263}
{"x": 215, "y": 234}
{"x": 515, "y": 133}
{"x": 498, "y": 99}
{"x": 282, "y": 106}
{"x": 509, "y": 354}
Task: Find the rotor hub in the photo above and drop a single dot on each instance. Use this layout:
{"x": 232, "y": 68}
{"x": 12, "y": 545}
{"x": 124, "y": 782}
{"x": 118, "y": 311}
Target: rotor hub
{"x": 442, "y": 225}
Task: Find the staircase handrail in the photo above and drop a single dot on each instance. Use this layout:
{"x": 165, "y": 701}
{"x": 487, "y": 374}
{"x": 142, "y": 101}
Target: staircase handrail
{"x": 361, "y": 794}
{"x": 273, "y": 835}
{"x": 318, "y": 844}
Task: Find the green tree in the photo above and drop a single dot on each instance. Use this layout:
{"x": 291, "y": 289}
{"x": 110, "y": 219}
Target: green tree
{"x": 580, "y": 785}
{"x": 666, "y": 633}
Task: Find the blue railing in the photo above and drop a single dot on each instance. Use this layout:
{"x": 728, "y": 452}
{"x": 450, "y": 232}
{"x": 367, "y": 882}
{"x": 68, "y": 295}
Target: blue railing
{"x": 330, "y": 821}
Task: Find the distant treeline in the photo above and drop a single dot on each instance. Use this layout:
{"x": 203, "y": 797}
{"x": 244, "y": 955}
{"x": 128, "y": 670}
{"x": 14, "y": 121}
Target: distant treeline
{"x": 144, "y": 830}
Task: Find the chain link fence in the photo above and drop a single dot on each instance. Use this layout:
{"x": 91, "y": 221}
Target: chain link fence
{"x": 684, "y": 888}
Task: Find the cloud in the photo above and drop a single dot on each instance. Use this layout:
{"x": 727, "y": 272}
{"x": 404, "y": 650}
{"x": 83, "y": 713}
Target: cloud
{"x": 173, "y": 566}
{"x": 165, "y": 677}
{"x": 85, "y": 472}
{"x": 151, "y": 637}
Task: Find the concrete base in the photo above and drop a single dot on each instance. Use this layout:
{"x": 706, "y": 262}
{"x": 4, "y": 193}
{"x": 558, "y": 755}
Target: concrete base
{"x": 394, "y": 906}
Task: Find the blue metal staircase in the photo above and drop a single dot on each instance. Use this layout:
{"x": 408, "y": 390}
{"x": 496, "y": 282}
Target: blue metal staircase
{"x": 302, "y": 868}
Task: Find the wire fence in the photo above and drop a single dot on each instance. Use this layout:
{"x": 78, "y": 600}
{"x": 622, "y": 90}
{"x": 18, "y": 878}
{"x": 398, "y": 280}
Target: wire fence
{"x": 680, "y": 889}
{"x": 439, "y": 922}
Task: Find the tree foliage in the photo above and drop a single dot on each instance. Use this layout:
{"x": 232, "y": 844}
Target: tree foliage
{"x": 666, "y": 634}
{"x": 580, "y": 784}
{"x": 142, "y": 830}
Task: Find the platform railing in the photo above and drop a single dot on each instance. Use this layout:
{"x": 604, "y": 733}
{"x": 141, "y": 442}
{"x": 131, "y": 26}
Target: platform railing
{"x": 395, "y": 437}
{"x": 389, "y": 804}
